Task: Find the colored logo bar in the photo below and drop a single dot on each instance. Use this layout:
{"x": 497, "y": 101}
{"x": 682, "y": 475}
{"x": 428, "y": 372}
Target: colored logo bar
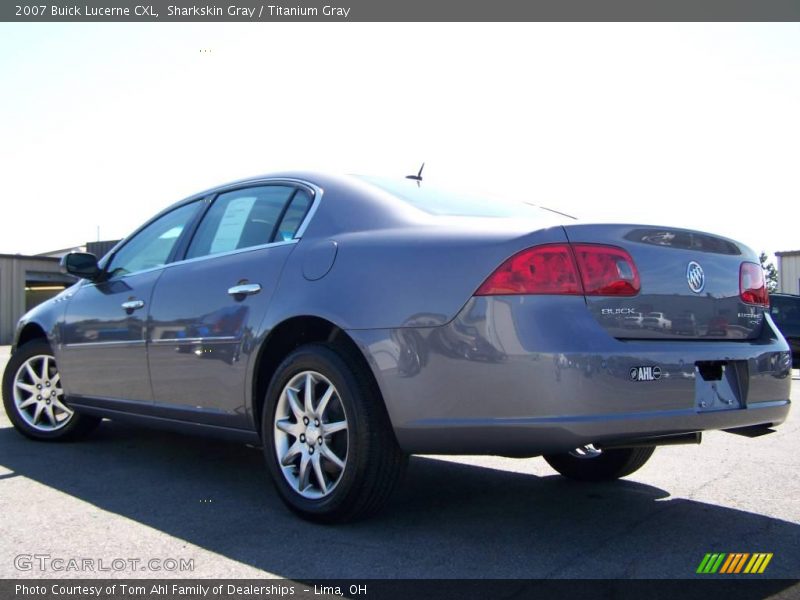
{"x": 734, "y": 562}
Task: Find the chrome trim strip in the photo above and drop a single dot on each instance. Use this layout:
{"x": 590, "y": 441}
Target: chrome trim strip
{"x": 191, "y": 260}
{"x": 318, "y": 191}
{"x": 223, "y": 339}
{"x": 228, "y": 253}
{"x": 109, "y": 343}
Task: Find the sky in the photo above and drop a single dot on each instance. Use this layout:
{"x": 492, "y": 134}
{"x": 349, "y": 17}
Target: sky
{"x": 690, "y": 125}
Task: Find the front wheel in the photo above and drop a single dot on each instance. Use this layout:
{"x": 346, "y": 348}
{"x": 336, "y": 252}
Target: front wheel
{"x": 328, "y": 442}
{"x": 34, "y": 398}
{"x": 588, "y": 463}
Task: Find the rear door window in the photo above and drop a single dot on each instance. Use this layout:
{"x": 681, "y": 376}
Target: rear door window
{"x": 241, "y": 219}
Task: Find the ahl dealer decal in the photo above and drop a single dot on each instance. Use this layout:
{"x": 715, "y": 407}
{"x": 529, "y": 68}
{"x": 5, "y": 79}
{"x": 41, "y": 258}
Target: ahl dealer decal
{"x": 645, "y": 373}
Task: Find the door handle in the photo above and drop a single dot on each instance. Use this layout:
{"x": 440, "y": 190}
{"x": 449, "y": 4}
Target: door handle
{"x": 132, "y": 305}
{"x": 244, "y": 289}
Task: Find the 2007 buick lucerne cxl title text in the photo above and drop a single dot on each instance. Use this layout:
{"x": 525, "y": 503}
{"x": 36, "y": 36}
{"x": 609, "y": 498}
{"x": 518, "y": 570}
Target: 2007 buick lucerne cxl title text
{"x": 346, "y": 322}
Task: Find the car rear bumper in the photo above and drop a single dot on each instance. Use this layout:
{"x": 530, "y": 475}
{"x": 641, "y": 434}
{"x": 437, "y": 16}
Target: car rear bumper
{"x": 526, "y": 375}
{"x": 543, "y": 435}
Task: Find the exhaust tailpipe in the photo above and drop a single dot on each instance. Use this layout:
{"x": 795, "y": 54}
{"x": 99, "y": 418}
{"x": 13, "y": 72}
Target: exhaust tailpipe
{"x": 659, "y": 440}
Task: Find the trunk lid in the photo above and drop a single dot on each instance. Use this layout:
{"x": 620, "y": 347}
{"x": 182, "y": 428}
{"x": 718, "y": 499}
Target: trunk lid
{"x": 689, "y": 285}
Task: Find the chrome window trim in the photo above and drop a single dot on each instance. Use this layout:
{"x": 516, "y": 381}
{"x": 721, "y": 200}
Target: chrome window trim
{"x": 311, "y": 211}
{"x": 220, "y": 254}
{"x": 192, "y": 260}
{"x": 316, "y": 191}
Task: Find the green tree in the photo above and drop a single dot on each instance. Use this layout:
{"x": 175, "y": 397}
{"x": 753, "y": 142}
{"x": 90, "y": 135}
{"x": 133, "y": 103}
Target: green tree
{"x": 770, "y": 272}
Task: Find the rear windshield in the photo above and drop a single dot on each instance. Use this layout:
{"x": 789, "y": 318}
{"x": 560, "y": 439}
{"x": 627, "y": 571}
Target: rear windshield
{"x": 437, "y": 201}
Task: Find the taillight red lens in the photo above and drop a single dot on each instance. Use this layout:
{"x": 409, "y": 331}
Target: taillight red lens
{"x": 548, "y": 269}
{"x": 606, "y": 270}
{"x": 752, "y": 284}
{"x": 590, "y": 269}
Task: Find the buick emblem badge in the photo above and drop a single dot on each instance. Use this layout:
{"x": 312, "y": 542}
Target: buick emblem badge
{"x": 695, "y": 277}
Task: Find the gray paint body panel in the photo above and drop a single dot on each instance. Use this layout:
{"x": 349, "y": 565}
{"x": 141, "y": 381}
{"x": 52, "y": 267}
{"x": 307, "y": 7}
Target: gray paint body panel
{"x": 716, "y": 312}
{"x": 535, "y": 374}
{"x": 459, "y": 374}
{"x": 199, "y": 333}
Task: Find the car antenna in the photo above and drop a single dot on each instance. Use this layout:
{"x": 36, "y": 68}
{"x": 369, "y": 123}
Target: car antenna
{"x": 418, "y": 176}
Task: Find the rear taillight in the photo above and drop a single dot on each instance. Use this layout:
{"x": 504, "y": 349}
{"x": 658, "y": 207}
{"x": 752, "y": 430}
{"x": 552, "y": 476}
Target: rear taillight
{"x": 752, "y": 284}
{"x": 548, "y": 269}
{"x": 590, "y": 269}
{"x": 606, "y": 270}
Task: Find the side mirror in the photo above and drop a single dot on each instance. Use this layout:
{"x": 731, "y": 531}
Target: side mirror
{"x": 81, "y": 264}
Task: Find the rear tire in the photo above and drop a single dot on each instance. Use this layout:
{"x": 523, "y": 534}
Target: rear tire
{"x": 34, "y": 398}
{"x": 328, "y": 441}
{"x": 607, "y": 465}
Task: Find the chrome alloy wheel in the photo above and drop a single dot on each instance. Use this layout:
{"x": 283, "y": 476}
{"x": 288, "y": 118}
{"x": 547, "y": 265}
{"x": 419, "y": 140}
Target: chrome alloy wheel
{"x": 310, "y": 432}
{"x": 38, "y": 395}
{"x": 588, "y": 451}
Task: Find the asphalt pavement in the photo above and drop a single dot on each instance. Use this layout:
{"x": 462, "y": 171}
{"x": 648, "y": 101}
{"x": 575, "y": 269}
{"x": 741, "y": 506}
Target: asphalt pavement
{"x": 135, "y": 495}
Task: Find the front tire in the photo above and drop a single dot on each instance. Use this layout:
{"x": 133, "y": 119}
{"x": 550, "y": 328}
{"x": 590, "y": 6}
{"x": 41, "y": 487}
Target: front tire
{"x": 328, "y": 442}
{"x": 34, "y": 397}
{"x": 590, "y": 464}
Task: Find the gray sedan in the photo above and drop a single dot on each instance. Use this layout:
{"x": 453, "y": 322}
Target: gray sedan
{"x": 344, "y": 323}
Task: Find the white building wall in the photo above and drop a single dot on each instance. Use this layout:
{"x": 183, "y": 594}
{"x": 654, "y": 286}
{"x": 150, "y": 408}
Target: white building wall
{"x": 13, "y": 276}
{"x": 789, "y": 272}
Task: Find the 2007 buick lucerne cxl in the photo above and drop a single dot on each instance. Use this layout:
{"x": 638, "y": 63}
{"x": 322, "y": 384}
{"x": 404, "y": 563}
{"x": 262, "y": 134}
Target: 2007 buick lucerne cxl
{"x": 346, "y": 322}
